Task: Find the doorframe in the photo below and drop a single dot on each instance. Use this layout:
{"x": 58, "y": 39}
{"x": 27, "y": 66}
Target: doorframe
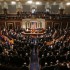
{"x": 8, "y": 23}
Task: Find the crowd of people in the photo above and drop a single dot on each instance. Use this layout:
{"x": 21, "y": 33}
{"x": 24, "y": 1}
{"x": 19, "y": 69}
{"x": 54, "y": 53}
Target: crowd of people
{"x": 53, "y": 49}
{"x": 14, "y": 50}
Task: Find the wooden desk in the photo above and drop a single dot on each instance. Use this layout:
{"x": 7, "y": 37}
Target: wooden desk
{"x": 33, "y": 33}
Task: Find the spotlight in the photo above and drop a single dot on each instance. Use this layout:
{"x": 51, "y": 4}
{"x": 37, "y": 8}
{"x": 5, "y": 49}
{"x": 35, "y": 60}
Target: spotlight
{"x": 13, "y": 2}
{"x": 68, "y": 3}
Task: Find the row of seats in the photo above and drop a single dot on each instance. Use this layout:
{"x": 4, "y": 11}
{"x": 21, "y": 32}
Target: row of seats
{"x": 55, "y": 56}
{"x": 57, "y": 66}
{"x": 14, "y": 56}
{"x": 5, "y": 67}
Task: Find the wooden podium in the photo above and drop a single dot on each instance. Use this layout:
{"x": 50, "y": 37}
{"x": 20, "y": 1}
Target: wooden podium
{"x": 33, "y": 32}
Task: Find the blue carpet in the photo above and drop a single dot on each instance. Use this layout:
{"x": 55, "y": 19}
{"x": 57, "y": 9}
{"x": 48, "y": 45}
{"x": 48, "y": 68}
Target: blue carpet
{"x": 34, "y": 65}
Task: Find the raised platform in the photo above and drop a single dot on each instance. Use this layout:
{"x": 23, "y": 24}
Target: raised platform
{"x": 33, "y": 33}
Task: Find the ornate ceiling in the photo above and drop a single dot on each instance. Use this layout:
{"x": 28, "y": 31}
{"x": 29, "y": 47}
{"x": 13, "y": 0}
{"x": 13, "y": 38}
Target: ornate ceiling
{"x": 43, "y": 1}
{"x": 39, "y": 0}
{"x": 59, "y": 4}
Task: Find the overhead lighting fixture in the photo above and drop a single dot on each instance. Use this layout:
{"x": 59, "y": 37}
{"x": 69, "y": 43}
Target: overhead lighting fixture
{"x": 68, "y": 3}
{"x": 13, "y": 2}
{"x": 29, "y": 2}
{"x": 38, "y": 3}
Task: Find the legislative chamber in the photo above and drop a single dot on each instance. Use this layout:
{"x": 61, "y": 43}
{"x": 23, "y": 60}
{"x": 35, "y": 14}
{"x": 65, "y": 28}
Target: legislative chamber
{"x": 34, "y": 35}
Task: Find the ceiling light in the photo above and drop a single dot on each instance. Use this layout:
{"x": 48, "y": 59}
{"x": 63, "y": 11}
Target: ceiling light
{"x": 68, "y": 3}
{"x": 13, "y": 2}
{"x": 29, "y": 2}
{"x": 38, "y": 3}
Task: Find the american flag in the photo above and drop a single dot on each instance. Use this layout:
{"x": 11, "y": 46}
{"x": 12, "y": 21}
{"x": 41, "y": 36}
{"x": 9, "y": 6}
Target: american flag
{"x": 33, "y": 24}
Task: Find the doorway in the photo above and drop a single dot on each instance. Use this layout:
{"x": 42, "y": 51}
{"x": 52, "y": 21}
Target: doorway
{"x": 10, "y": 25}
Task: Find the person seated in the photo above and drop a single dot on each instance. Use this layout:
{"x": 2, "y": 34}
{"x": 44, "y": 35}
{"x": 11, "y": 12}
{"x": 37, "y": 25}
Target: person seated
{"x": 63, "y": 66}
{"x": 52, "y": 66}
{"x": 42, "y": 61}
{"x": 57, "y": 65}
{"x": 68, "y": 65}
{"x": 24, "y": 67}
{"x": 68, "y": 55}
{"x": 52, "y": 57}
{"x": 58, "y": 56}
{"x": 48, "y": 58}
{"x": 46, "y": 67}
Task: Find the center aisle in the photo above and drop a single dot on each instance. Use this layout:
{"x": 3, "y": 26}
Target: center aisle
{"x": 34, "y": 65}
